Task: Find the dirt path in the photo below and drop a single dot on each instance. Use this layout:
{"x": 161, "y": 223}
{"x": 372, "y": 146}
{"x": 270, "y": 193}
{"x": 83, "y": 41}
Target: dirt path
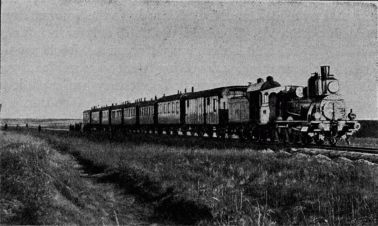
{"x": 98, "y": 203}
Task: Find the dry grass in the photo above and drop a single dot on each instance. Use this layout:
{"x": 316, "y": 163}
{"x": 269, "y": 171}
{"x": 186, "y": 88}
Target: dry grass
{"x": 39, "y": 186}
{"x": 23, "y": 199}
{"x": 239, "y": 187}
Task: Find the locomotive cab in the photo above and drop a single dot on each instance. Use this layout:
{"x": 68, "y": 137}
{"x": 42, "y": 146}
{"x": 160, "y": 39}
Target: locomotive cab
{"x": 264, "y": 100}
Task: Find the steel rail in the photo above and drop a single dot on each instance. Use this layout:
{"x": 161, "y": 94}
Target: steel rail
{"x": 367, "y": 150}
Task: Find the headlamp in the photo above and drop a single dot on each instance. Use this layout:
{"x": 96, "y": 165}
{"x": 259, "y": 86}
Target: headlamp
{"x": 357, "y": 126}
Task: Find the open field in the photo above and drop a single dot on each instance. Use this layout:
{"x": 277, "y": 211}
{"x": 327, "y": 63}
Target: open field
{"x": 369, "y": 128}
{"x": 49, "y": 123}
{"x": 193, "y": 184}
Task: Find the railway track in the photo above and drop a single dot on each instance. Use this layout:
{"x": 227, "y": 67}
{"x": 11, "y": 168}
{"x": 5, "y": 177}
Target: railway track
{"x": 366, "y": 150}
{"x": 247, "y": 143}
{"x": 235, "y": 141}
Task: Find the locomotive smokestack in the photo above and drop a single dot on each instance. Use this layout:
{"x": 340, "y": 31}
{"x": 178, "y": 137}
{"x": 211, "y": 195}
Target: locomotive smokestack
{"x": 192, "y": 89}
{"x": 185, "y": 90}
{"x": 324, "y": 70}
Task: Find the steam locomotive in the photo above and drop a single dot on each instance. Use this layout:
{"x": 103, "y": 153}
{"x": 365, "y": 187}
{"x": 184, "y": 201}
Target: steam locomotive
{"x": 264, "y": 110}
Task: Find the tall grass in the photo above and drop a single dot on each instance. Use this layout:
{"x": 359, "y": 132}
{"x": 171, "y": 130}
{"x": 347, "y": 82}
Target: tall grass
{"x": 24, "y": 196}
{"x": 238, "y": 186}
{"x": 37, "y": 186}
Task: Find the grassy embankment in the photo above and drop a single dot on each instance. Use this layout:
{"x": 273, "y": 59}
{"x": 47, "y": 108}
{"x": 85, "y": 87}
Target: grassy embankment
{"x": 49, "y": 123}
{"x": 39, "y": 186}
{"x": 23, "y": 199}
{"x": 230, "y": 186}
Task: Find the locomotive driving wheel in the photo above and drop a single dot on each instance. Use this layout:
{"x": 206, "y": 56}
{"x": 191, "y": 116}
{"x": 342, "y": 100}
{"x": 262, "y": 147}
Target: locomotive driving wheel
{"x": 306, "y": 139}
{"x": 280, "y": 134}
{"x": 288, "y": 136}
{"x": 319, "y": 139}
{"x": 332, "y": 140}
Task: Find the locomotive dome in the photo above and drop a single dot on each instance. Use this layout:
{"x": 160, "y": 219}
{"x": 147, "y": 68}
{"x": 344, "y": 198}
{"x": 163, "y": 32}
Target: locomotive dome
{"x": 256, "y": 86}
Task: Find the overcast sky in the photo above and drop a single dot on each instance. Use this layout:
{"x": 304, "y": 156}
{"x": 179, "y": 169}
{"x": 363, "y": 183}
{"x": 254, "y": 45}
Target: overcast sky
{"x": 60, "y": 57}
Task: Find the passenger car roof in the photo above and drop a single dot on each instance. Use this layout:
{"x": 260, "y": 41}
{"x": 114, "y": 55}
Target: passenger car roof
{"x": 170, "y": 97}
{"x": 214, "y": 92}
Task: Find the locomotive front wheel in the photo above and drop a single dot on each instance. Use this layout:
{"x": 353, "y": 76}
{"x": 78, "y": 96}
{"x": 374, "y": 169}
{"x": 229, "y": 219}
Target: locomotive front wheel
{"x": 288, "y": 136}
